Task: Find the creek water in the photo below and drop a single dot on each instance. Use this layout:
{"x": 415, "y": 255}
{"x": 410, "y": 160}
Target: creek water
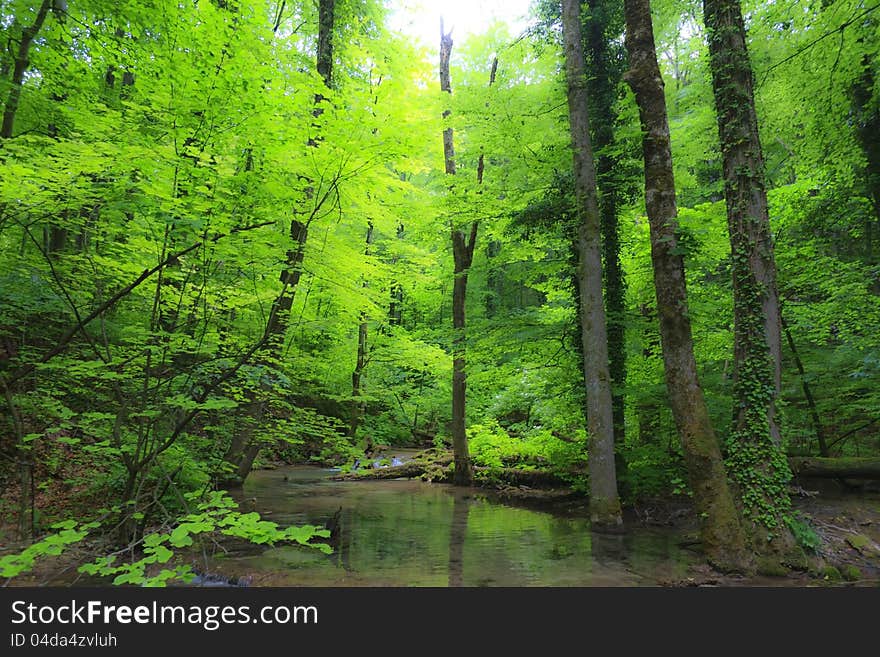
{"x": 412, "y": 533}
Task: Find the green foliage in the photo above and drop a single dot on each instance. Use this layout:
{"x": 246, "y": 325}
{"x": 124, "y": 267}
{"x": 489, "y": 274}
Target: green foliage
{"x": 653, "y": 472}
{"x": 804, "y": 533}
{"x": 494, "y": 447}
{"x": 54, "y": 544}
{"x": 217, "y": 514}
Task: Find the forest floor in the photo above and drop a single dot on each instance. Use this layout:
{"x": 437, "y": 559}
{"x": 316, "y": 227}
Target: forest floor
{"x": 846, "y": 521}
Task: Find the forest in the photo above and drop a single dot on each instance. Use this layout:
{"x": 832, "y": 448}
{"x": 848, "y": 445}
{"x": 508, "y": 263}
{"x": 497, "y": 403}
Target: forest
{"x": 279, "y": 283}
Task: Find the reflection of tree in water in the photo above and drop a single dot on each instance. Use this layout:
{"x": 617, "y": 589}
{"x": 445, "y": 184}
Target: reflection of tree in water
{"x": 340, "y": 526}
{"x": 607, "y": 548}
{"x": 457, "y": 532}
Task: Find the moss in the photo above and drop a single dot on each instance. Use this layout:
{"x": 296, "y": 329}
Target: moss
{"x": 831, "y": 573}
{"x": 771, "y": 567}
{"x": 859, "y": 542}
{"x": 605, "y": 514}
{"x": 851, "y": 573}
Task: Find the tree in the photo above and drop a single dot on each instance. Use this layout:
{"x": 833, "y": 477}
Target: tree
{"x": 604, "y": 501}
{"x": 604, "y": 66}
{"x": 21, "y": 63}
{"x": 757, "y": 457}
{"x": 722, "y": 533}
{"x": 463, "y": 254}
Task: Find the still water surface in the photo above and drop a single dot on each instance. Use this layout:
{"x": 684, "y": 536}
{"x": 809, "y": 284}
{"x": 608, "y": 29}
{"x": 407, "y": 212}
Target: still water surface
{"x": 411, "y": 533}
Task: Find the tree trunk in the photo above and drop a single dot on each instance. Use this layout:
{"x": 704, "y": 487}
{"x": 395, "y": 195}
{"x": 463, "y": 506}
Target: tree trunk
{"x": 754, "y": 267}
{"x": 462, "y": 253}
{"x": 722, "y": 533}
{"x": 756, "y": 458}
{"x": 605, "y": 77}
{"x": 326, "y": 20}
{"x": 20, "y": 67}
{"x": 604, "y": 501}
{"x": 357, "y": 404}
{"x": 395, "y": 308}
{"x": 808, "y": 392}
{"x": 279, "y": 314}
{"x": 446, "y": 86}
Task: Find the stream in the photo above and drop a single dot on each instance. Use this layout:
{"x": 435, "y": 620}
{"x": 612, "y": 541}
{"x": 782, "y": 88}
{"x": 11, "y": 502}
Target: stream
{"x": 412, "y": 533}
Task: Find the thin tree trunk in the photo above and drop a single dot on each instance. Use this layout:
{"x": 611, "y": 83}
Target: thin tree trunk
{"x": 604, "y": 500}
{"x": 722, "y": 533}
{"x": 808, "y": 392}
{"x": 20, "y": 67}
{"x": 463, "y": 256}
{"x": 756, "y": 460}
{"x": 462, "y": 253}
{"x": 279, "y": 315}
{"x": 357, "y": 404}
{"x": 326, "y": 20}
{"x": 395, "y": 308}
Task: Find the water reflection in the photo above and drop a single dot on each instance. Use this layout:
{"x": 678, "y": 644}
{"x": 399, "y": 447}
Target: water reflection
{"x": 410, "y": 533}
{"x": 457, "y": 535}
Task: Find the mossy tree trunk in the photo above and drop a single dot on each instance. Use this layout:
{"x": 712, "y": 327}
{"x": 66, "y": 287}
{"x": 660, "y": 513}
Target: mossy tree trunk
{"x": 604, "y": 64}
{"x": 756, "y": 457}
{"x": 722, "y": 533}
{"x": 604, "y": 500}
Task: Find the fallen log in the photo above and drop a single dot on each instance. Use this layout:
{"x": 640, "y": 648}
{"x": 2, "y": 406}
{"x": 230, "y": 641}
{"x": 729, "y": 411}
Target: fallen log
{"x": 843, "y": 467}
{"x": 409, "y": 470}
{"x": 517, "y": 477}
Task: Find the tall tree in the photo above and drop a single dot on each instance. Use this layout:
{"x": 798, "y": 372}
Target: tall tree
{"x": 722, "y": 533}
{"x": 605, "y": 68}
{"x": 604, "y": 500}
{"x": 463, "y": 254}
{"x": 757, "y": 459}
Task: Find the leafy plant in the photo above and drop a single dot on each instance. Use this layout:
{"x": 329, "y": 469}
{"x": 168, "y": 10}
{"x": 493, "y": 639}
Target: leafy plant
{"x": 217, "y": 514}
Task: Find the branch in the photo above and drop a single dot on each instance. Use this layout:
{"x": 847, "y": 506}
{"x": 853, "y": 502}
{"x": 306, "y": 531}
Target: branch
{"x": 200, "y": 398}
{"x": 147, "y": 273}
{"x": 812, "y": 43}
